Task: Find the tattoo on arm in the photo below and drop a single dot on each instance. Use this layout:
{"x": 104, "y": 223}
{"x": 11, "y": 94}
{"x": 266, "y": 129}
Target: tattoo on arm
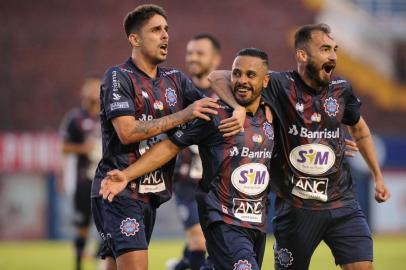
{"x": 157, "y": 126}
{"x": 362, "y": 137}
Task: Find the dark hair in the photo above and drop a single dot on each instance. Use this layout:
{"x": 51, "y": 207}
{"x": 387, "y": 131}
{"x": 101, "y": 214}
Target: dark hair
{"x": 214, "y": 41}
{"x": 255, "y": 53}
{"x": 140, "y": 15}
{"x": 304, "y": 33}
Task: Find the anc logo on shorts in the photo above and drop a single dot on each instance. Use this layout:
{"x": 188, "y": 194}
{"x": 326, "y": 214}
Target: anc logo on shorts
{"x": 331, "y": 106}
{"x": 284, "y": 257}
{"x": 171, "y": 97}
{"x": 242, "y": 265}
{"x": 129, "y": 226}
{"x": 268, "y": 130}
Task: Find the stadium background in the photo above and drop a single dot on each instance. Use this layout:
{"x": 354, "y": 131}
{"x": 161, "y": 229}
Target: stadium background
{"x": 47, "y": 48}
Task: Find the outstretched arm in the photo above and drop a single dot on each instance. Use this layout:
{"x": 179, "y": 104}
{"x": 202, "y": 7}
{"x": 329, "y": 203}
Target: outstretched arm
{"x": 117, "y": 180}
{"x": 220, "y": 83}
{"x": 362, "y": 136}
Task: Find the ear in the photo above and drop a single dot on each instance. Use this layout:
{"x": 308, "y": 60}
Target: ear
{"x": 266, "y": 80}
{"x": 301, "y": 55}
{"x": 134, "y": 39}
{"x": 216, "y": 61}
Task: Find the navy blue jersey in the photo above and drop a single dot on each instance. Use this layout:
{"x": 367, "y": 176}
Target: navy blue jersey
{"x": 78, "y": 126}
{"x": 312, "y": 173}
{"x": 126, "y": 90}
{"x": 235, "y": 170}
{"x": 188, "y": 163}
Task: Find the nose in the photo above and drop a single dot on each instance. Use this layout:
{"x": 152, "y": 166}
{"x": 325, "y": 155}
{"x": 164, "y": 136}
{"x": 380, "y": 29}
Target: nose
{"x": 243, "y": 79}
{"x": 333, "y": 55}
{"x": 165, "y": 35}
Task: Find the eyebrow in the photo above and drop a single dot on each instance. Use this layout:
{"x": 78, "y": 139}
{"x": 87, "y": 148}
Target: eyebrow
{"x": 328, "y": 46}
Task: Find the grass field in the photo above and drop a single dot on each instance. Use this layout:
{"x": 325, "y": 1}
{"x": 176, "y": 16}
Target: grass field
{"x": 390, "y": 254}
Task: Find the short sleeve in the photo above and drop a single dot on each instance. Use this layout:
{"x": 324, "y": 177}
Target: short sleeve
{"x": 270, "y": 93}
{"x": 352, "y": 108}
{"x": 190, "y": 92}
{"x": 117, "y": 94}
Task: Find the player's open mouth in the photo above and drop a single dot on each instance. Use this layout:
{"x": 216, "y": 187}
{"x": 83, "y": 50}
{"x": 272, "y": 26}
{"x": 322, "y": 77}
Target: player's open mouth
{"x": 164, "y": 48}
{"x": 328, "y": 68}
{"x": 243, "y": 89}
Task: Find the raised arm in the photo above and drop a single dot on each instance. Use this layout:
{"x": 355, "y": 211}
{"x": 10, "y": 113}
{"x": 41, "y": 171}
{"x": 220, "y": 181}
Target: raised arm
{"x": 362, "y": 136}
{"x": 220, "y": 83}
{"x": 130, "y": 130}
{"x": 116, "y": 180}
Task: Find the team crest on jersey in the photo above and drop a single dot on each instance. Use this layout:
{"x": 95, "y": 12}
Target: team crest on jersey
{"x": 129, "y": 226}
{"x": 331, "y": 106}
{"x": 268, "y": 130}
{"x": 299, "y": 107}
{"x": 284, "y": 257}
{"x": 316, "y": 117}
{"x": 257, "y": 138}
{"x": 242, "y": 265}
{"x": 158, "y": 105}
{"x": 171, "y": 97}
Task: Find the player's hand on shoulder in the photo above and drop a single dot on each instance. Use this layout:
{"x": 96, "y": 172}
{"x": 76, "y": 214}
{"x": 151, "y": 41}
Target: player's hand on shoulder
{"x": 202, "y": 108}
{"x": 234, "y": 124}
{"x": 382, "y": 193}
{"x": 114, "y": 183}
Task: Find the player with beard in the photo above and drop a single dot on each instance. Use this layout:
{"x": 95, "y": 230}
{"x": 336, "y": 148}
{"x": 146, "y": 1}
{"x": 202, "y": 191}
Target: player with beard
{"x": 315, "y": 190}
{"x": 233, "y": 193}
{"x": 140, "y": 103}
{"x": 202, "y": 57}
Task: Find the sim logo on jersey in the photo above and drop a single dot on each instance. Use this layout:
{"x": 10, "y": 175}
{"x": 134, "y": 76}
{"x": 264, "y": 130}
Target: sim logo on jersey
{"x": 313, "y": 159}
{"x": 242, "y": 265}
{"x": 251, "y": 178}
{"x": 129, "y": 226}
{"x": 331, "y": 106}
{"x": 171, "y": 97}
{"x": 268, "y": 129}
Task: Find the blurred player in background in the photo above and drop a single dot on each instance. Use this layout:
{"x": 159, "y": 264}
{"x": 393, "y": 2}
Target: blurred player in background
{"x": 202, "y": 57}
{"x": 140, "y": 103}
{"x": 315, "y": 191}
{"x": 233, "y": 193}
{"x": 81, "y": 136}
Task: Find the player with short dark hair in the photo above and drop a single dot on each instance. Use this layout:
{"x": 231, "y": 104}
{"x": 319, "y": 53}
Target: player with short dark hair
{"x": 312, "y": 180}
{"x": 233, "y": 194}
{"x": 81, "y": 145}
{"x": 202, "y": 57}
{"x": 140, "y": 103}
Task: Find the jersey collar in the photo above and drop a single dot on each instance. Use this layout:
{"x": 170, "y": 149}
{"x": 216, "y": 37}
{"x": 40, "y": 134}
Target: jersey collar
{"x": 134, "y": 68}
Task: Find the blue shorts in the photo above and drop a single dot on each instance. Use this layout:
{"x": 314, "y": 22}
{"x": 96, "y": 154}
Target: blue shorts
{"x": 299, "y": 231}
{"x": 234, "y": 247}
{"x": 185, "y": 195}
{"x": 124, "y": 225}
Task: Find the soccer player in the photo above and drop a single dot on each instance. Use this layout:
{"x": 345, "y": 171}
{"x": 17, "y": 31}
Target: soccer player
{"x": 81, "y": 143}
{"x": 202, "y": 57}
{"x": 140, "y": 103}
{"x": 315, "y": 191}
{"x": 233, "y": 194}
